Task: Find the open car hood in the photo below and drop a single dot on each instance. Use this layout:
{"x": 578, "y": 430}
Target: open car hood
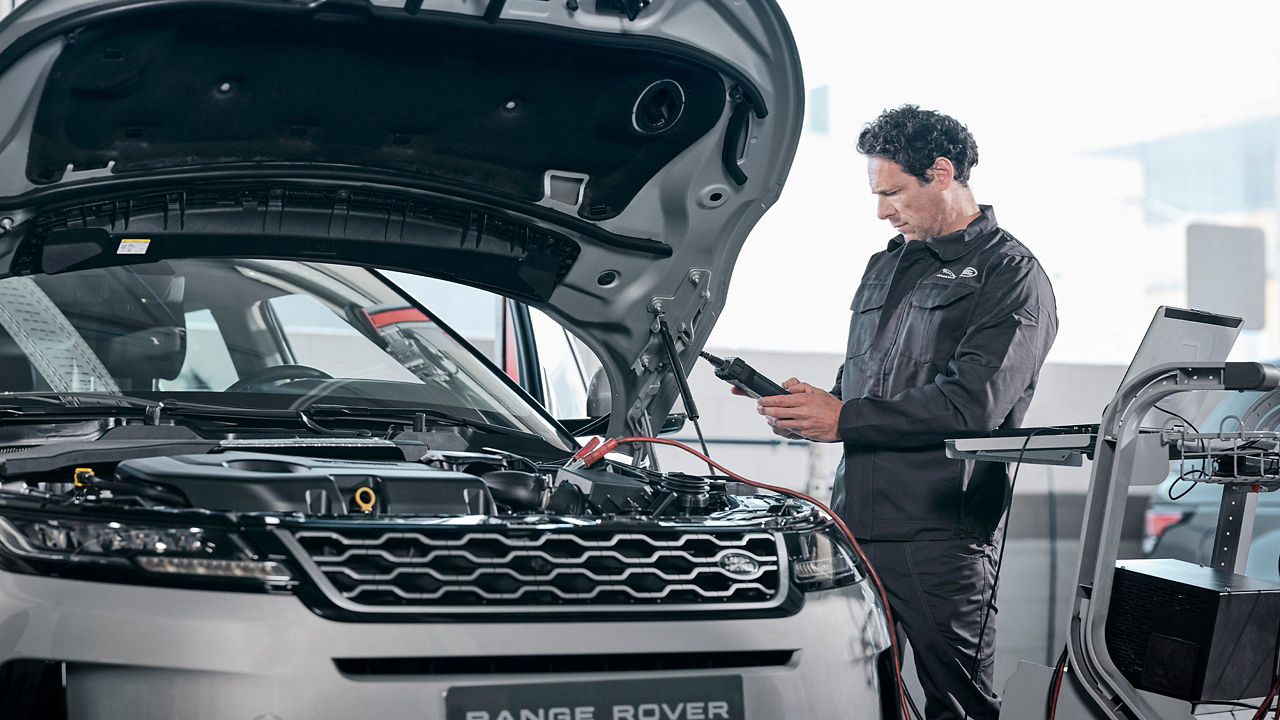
{"x": 603, "y": 160}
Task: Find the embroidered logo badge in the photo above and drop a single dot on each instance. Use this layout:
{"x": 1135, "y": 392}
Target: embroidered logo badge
{"x": 946, "y": 274}
{"x": 968, "y": 272}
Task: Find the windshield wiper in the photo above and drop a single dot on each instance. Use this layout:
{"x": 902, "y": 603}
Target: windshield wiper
{"x": 98, "y": 404}
{"x": 77, "y": 399}
{"x": 74, "y": 404}
{"x": 55, "y": 404}
{"x": 240, "y": 414}
{"x": 418, "y": 417}
{"x": 54, "y": 407}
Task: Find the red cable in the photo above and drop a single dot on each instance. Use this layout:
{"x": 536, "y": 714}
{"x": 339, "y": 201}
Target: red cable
{"x": 1057, "y": 686}
{"x": 590, "y": 458}
{"x": 1266, "y": 703}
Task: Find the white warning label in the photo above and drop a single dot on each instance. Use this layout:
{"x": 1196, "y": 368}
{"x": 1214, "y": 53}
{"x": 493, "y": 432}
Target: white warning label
{"x": 133, "y": 246}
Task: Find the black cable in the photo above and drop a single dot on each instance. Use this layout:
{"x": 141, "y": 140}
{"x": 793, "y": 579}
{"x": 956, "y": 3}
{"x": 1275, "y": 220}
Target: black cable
{"x": 1185, "y": 476}
{"x": 1232, "y": 703}
{"x": 317, "y": 427}
{"x": 1170, "y": 412}
{"x": 1051, "y": 628}
{"x": 594, "y": 425}
{"x": 911, "y": 702}
{"x": 995, "y": 581}
{"x": 1204, "y": 463}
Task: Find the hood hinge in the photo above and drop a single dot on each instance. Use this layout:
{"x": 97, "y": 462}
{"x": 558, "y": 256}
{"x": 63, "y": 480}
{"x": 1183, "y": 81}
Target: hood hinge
{"x": 685, "y": 305}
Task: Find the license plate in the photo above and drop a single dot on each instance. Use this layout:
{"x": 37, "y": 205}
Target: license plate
{"x": 690, "y": 698}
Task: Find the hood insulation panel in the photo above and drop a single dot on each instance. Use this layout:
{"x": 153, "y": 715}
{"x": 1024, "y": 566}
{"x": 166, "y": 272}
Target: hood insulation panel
{"x": 457, "y": 105}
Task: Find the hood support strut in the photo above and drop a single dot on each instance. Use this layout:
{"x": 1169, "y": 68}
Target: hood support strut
{"x": 686, "y": 395}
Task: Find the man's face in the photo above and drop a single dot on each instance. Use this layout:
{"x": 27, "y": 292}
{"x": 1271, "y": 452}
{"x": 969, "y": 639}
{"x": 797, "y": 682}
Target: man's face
{"x": 914, "y": 209}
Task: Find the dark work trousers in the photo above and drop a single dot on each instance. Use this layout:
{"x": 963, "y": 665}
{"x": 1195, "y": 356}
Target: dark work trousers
{"x": 938, "y": 591}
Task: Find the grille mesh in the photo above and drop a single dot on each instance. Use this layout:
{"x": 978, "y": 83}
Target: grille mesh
{"x": 478, "y": 568}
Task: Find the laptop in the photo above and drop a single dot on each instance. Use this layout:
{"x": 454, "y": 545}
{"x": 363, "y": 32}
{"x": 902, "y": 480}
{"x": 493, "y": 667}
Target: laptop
{"x": 1177, "y": 335}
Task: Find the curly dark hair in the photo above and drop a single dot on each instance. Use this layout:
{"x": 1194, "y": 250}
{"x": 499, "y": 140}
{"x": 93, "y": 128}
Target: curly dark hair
{"x": 915, "y": 138}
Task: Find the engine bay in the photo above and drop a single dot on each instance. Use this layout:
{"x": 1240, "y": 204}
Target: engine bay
{"x": 441, "y": 483}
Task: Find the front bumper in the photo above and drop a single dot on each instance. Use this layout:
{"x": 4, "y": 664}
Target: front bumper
{"x": 146, "y": 652}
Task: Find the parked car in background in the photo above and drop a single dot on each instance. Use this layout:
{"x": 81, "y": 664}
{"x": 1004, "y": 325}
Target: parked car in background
{"x": 243, "y": 474}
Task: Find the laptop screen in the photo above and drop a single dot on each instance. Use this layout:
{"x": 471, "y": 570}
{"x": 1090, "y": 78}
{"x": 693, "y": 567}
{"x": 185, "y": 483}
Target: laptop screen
{"x": 1177, "y": 335}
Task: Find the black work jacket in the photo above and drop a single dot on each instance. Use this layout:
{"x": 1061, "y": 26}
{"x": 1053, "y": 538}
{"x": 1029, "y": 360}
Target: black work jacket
{"x": 961, "y": 359}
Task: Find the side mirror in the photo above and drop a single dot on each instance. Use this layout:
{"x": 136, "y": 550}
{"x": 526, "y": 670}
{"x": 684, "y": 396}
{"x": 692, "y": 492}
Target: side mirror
{"x": 673, "y": 424}
{"x": 579, "y": 427}
{"x": 599, "y": 404}
{"x": 599, "y": 397}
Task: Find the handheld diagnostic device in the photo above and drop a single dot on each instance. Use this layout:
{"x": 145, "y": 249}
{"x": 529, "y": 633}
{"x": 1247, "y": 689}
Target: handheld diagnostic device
{"x": 739, "y": 374}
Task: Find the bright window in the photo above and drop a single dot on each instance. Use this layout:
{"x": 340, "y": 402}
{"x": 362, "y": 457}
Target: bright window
{"x": 208, "y": 364}
{"x": 1105, "y": 131}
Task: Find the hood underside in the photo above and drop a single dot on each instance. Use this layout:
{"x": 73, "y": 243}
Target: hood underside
{"x": 461, "y": 106}
{"x": 604, "y": 169}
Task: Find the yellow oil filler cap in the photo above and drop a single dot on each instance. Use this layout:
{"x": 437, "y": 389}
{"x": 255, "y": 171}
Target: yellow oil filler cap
{"x": 366, "y": 499}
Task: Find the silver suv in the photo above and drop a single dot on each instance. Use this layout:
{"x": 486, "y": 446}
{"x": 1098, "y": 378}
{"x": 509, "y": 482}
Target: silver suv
{"x": 243, "y": 475}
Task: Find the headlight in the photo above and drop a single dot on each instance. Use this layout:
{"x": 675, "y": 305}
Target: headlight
{"x": 823, "y": 559}
{"x": 60, "y": 545}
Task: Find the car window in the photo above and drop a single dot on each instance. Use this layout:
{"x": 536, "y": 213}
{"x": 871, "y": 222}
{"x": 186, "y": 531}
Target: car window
{"x": 473, "y": 313}
{"x": 268, "y": 333}
{"x": 313, "y": 331}
{"x": 491, "y": 323}
{"x": 566, "y": 366}
{"x": 208, "y": 363}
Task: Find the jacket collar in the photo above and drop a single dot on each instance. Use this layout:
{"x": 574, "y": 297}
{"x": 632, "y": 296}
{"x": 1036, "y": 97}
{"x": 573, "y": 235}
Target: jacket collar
{"x": 953, "y": 245}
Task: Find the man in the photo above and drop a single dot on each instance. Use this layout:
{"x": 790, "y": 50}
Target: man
{"x": 950, "y": 326}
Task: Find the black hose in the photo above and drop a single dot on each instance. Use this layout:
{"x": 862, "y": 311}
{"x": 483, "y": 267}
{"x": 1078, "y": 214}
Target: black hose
{"x": 995, "y": 582}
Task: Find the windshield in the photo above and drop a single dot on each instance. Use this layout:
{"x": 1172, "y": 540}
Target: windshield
{"x": 248, "y": 333}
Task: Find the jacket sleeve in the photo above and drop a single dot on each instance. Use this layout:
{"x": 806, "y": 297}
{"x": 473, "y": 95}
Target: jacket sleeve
{"x": 836, "y": 389}
{"x": 1012, "y": 326}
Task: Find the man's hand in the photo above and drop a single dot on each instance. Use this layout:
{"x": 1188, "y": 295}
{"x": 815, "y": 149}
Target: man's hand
{"x": 808, "y": 412}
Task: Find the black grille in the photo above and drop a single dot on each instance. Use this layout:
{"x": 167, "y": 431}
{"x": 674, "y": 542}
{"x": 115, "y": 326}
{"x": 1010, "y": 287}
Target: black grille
{"x": 381, "y": 569}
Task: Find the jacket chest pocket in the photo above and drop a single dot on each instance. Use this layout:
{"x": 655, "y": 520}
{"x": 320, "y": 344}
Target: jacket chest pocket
{"x": 866, "y": 307}
{"x": 935, "y": 322}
